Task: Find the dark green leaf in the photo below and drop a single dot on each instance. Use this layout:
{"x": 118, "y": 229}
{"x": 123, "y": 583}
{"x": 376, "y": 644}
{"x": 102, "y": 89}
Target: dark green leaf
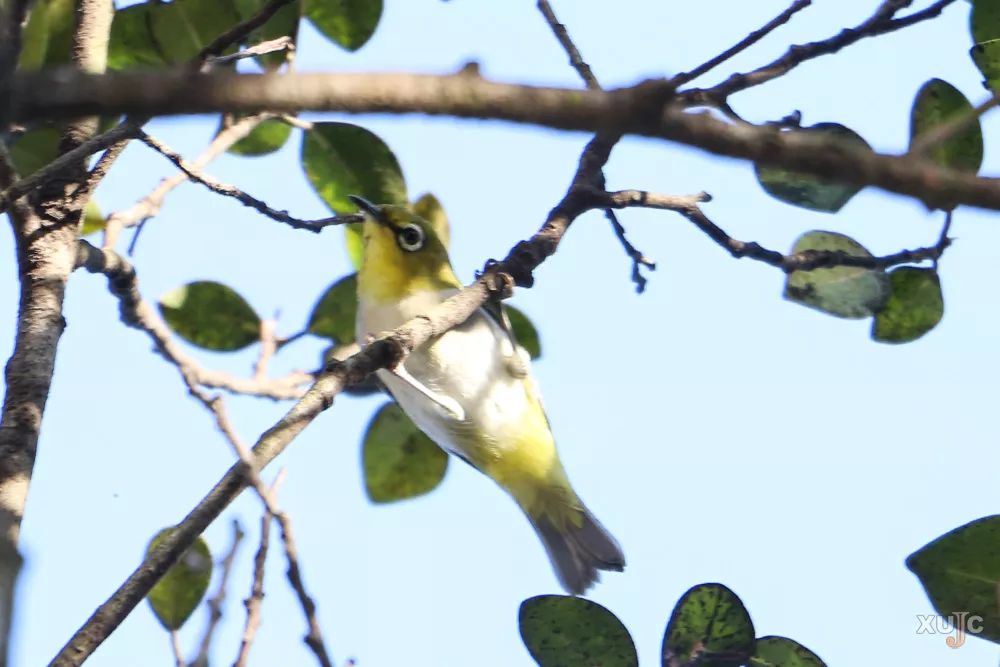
{"x": 285, "y": 22}
{"x": 132, "y": 43}
{"x": 175, "y": 597}
{"x": 564, "y": 631}
{"x": 806, "y": 190}
{"x": 48, "y": 35}
{"x": 844, "y": 291}
{"x": 938, "y": 102}
{"x": 266, "y": 138}
{"x": 429, "y": 208}
{"x": 961, "y": 573}
{"x": 915, "y": 306}
{"x": 182, "y": 28}
{"x": 341, "y": 159}
{"x": 34, "y": 39}
{"x": 399, "y": 461}
{"x": 709, "y": 624}
{"x": 524, "y": 331}
{"x": 334, "y": 314}
{"x": 987, "y": 59}
{"x": 783, "y": 652}
{"x": 211, "y": 315}
{"x": 34, "y": 149}
{"x": 349, "y": 23}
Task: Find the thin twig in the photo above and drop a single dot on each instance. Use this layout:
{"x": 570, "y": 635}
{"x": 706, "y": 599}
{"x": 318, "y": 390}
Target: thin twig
{"x": 575, "y": 59}
{"x": 271, "y": 46}
{"x": 198, "y": 176}
{"x": 239, "y": 31}
{"x": 215, "y": 603}
{"x": 175, "y": 645}
{"x": 943, "y": 239}
{"x": 255, "y": 601}
{"x": 748, "y": 41}
{"x": 268, "y": 346}
{"x": 880, "y": 22}
{"x": 923, "y": 145}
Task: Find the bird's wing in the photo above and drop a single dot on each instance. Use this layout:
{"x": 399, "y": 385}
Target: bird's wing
{"x": 517, "y": 360}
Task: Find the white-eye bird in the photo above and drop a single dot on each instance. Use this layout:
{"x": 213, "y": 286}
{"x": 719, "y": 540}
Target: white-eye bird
{"x": 470, "y": 389}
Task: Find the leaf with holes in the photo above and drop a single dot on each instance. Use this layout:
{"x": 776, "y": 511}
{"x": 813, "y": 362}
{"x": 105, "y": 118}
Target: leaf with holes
{"x": 844, "y": 291}
{"x": 349, "y": 23}
{"x": 525, "y": 332}
{"x": 936, "y": 103}
{"x": 429, "y": 208}
{"x": 960, "y": 572}
{"x": 175, "y": 597}
{"x": 783, "y": 652}
{"x": 341, "y": 159}
{"x": 399, "y": 461}
{"x": 269, "y": 136}
{"x": 335, "y": 313}
{"x": 808, "y": 191}
{"x": 211, "y": 315}
{"x": 559, "y": 630}
{"x": 915, "y": 306}
{"x": 709, "y": 626}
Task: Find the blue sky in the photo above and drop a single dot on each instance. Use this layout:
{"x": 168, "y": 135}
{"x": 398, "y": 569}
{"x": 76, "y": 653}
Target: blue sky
{"x": 720, "y": 432}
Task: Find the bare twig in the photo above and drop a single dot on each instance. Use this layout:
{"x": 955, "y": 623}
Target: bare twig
{"x": 215, "y": 603}
{"x": 943, "y": 239}
{"x": 254, "y": 602}
{"x": 751, "y": 39}
{"x": 271, "y": 46}
{"x": 138, "y": 313}
{"x": 923, "y": 145}
{"x": 227, "y": 190}
{"x": 268, "y": 346}
{"x": 239, "y": 31}
{"x": 880, "y": 22}
{"x": 175, "y": 645}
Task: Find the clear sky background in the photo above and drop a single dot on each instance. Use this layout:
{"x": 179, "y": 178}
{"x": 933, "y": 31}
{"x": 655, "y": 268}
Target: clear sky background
{"x": 720, "y": 432}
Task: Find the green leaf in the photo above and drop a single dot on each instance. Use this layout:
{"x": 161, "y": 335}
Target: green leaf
{"x": 34, "y": 149}
{"x": 961, "y": 573}
{"x": 211, "y": 315}
{"x": 285, "y": 22}
{"x": 938, "y": 102}
{"x": 182, "y": 28}
{"x": 429, "y": 208}
{"x": 915, "y": 306}
{"x": 844, "y": 291}
{"x": 524, "y": 331}
{"x": 335, "y": 313}
{"x": 48, "y": 35}
{"x": 93, "y": 221}
{"x": 132, "y": 43}
{"x": 564, "y": 631}
{"x": 349, "y": 23}
{"x": 267, "y": 137}
{"x": 398, "y": 460}
{"x": 341, "y": 159}
{"x": 783, "y": 652}
{"x": 34, "y": 39}
{"x": 806, "y": 190}
{"x": 175, "y": 597}
{"x": 709, "y": 625}
{"x": 987, "y": 59}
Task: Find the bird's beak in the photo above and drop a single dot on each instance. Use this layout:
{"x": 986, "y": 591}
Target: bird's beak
{"x": 371, "y": 209}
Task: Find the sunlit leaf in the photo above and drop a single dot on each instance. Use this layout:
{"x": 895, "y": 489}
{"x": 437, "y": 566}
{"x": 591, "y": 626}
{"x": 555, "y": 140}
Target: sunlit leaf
{"x": 709, "y": 626}
{"x": 349, "y": 23}
{"x": 175, "y": 597}
{"x": 93, "y": 221}
{"x": 783, "y": 652}
{"x": 564, "y": 631}
{"x": 915, "y": 306}
{"x": 335, "y": 313}
{"x": 806, "y": 190}
{"x": 429, "y": 208}
{"x": 211, "y": 315}
{"x": 961, "y": 573}
{"x": 844, "y": 291}
{"x": 524, "y": 331}
{"x": 938, "y": 102}
{"x": 269, "y": 136}
{"x": 399, "y": 461}
{"x": 341, "y": 159}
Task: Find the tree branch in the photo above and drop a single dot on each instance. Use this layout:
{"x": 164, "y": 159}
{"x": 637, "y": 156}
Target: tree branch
{"x": 638, "y": 110}
{"x": 216, "y": 602}
{"x": 256, "y": 599}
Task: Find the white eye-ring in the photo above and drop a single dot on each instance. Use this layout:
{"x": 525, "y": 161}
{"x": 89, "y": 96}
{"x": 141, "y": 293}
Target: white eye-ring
{"x": 410, "y": 237}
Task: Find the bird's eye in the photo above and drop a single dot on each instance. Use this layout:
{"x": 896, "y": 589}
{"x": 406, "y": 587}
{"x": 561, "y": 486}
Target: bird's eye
{"x": 410, "y": 237}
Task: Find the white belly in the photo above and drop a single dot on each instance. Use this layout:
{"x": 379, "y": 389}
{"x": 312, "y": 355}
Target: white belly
{"x": 469, "y": 365}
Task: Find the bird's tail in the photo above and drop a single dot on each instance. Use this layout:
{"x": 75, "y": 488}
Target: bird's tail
{"x": 577, "y": 544}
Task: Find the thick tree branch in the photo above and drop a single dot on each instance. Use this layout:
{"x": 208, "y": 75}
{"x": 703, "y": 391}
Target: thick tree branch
{"x": 638, "y": 110}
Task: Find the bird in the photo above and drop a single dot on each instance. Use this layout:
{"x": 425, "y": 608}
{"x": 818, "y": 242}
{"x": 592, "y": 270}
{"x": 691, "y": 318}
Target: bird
{"x": 471, "y": 391}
